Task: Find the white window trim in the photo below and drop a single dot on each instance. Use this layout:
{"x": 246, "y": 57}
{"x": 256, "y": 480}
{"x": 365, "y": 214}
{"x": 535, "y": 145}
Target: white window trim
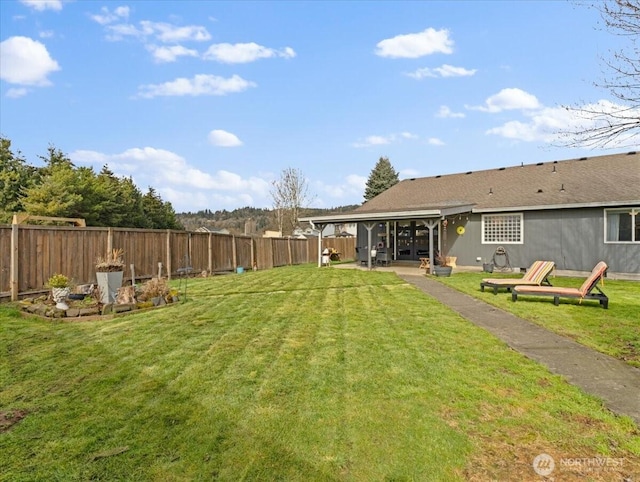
{"x": 503, "y": 242}
{"x": 617, "y": 210}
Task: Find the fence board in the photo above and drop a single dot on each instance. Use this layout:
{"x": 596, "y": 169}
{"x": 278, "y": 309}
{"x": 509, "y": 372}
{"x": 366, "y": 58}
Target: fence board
{"x": 5, "y": 258}
{"x": 46, "y": 250}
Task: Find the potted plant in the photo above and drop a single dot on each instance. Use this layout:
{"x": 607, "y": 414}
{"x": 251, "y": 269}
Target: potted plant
{"x": 487, "y": 267}
{"x": 441, "y": 266}
{"x": 109, "y": 273}
{"x": 60, "y": 288}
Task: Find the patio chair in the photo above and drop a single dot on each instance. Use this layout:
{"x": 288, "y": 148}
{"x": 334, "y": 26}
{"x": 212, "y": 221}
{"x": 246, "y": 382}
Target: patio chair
{"x": 537, "y": 274}
{"x": 585, "y": 292}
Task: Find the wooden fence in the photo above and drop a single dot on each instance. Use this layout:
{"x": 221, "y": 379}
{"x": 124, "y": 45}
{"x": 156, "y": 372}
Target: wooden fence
{"x": 29, "y": 255}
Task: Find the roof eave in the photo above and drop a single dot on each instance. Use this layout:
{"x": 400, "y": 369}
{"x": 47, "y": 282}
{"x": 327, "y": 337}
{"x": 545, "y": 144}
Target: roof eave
{"x": 556, "y": 206}
{"x": 389, "y": 215}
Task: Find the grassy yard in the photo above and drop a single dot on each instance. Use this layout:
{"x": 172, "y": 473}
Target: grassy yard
{"x": 615, "y": 331}
{"x": 296, "y": 374}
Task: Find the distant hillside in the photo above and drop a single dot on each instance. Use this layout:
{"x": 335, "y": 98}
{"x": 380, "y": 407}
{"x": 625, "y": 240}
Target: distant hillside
{"x": 260, "y": 219}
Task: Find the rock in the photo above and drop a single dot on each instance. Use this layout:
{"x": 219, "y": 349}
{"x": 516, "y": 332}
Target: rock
{"x": 122, "y": 308}
{"x": 89, "y": 311}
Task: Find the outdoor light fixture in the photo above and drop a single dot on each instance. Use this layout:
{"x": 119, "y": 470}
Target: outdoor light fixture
{"x": 562, "y": 188}
{"x": 490, "y": 191}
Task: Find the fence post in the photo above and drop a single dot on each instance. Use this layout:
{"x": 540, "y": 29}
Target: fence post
{"x": 253, "y": 259}
{"x": 109, "y": 240}
{"x": 210, "y": 254}
{"x": 234, "y": 253}
{"x": 169, "y": 254}
{"x": 13, "y": 272}
{"x": 289, "y": 250}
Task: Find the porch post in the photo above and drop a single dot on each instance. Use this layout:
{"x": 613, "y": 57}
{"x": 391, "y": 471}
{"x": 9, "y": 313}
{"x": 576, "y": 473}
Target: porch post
{"x": 320, "y": 228}
{"x": 369, "y": 227}
{"x": 431, "y": 224}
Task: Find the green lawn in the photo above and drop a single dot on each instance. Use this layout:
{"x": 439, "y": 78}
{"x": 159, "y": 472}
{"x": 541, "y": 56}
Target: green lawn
{"x": 296, "y": 374}
{"x": 615, "y": 331}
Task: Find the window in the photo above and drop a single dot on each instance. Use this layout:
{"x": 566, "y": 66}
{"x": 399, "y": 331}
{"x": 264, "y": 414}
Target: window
{"x": 502, "y": 228}
{"x": 622, "y": 225}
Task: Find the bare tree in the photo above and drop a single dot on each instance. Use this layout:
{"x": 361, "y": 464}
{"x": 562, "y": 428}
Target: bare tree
{"x": 290, "y": 193}
{"x": 608, "y": 124}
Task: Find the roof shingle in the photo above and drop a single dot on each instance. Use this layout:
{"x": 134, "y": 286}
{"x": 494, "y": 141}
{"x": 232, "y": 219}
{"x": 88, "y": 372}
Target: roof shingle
{"x": 601, "y": 180}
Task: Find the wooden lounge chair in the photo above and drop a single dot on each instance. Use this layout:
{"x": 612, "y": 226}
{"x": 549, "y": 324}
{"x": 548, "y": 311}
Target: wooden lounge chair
{"x": 582, "y": 293}
{"x": 536, "y": 275}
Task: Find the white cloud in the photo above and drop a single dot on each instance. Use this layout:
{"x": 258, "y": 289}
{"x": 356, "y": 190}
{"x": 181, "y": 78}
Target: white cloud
{"x": 14, "y": 93}
{"x": 122, "y": 30}
{"x": 200, "y": 84}
{"x": 223, "y": 138}
{"x": 548, "y": 123}
{"x": 46, "y": 34}
{"x": 25, "y": 61}
{"x": 508, "y": 99}
{"x": 434, "y": 141}
{"x": 414, "y": 45}
{"x": 170, "y": 54}
{"x": 384, "y": 140}
{"x": 443, "y": 71}
{"x": 168, "y": 33}
{"x": 243, "y": 53}
{"x": 106, "y": 16}
{"x": 160, "y": 31}
{"x": 446, "y": 113}
{"x": 353, "y": 184}
{"x": 176, "y": 180}
{"x": 41, "y": 5}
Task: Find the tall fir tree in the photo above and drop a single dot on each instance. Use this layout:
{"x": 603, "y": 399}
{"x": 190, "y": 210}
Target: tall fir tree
{"x": 381, "y": 178}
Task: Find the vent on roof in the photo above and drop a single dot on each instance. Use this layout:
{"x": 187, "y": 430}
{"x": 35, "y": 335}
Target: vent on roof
{"x": 631, "y": 153}
{"x": 582, "y": 159}
{"x": 412, "y": 179}
{"x": 438, "y": 176}
{"x": 502, "y": 169}
{"x": 468, "y": 172}
{"x": 555, "y": 162}
{"x": 540, "y": 164}
{"x": 540, "y": 190}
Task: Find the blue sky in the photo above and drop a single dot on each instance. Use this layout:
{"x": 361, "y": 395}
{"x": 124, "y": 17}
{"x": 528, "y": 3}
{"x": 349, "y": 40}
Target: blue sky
{"x": 209, "y": 101}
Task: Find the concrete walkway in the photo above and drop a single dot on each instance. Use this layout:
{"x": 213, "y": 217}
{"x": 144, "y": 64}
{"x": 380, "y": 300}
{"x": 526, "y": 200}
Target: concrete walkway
{"x": 611, "y": 380}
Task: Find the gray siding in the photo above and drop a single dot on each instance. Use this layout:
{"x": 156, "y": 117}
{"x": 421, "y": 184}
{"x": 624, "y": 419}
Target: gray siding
{"x": 572, "y": 238}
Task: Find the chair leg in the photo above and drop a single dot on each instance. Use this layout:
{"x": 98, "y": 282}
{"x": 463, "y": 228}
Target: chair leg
{"x": 556, "y": 300}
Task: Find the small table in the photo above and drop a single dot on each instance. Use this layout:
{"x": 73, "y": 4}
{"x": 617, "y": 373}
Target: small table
{"x": 424, "y": 263}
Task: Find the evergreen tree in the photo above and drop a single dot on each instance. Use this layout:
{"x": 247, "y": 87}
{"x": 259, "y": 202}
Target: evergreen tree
{"x": 56, "y": 195}
{"x": 381, "y": 178}
{"x": 159, "y": 214}
{"x": 15, "y": 175}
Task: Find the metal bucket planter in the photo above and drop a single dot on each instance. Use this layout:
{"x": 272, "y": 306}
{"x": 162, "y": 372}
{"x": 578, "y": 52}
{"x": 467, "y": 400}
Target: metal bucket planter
{"x": 487, "y": 267}
{"x": 443, "y": 271}
{"x": 108, "y": 284}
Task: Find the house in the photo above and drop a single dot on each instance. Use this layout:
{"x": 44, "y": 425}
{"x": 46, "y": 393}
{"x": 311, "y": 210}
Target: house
{"x": 574, "y": 212}
{"x": 330, "y": 230}
{"x": 205, "y": 229}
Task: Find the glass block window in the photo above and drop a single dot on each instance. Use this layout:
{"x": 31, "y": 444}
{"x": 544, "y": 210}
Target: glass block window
{"x": 502, "y": 228}
{"x": 622, "y": 225}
